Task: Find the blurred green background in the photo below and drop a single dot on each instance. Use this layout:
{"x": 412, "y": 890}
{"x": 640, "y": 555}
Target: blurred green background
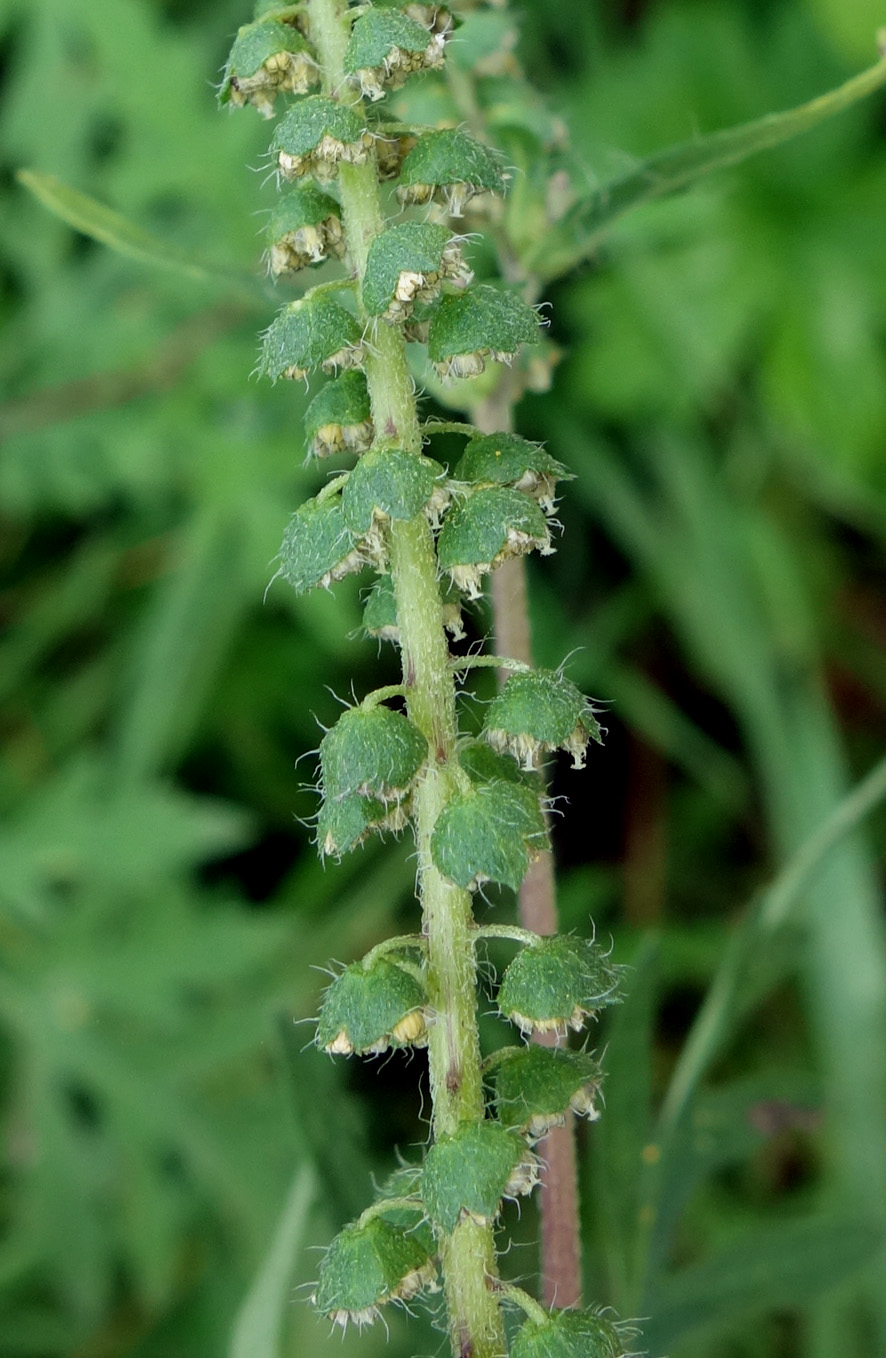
{"x": 168, "y": 1142}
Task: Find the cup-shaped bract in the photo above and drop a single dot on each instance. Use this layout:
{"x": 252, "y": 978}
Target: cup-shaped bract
{"x": 387, "y": 483}
{"x": 489, "y": 833}
{"x": 509, "y": 460}
{"x": 318, "y": 547}
{"x": 536, "y": 1086}
{"x": 315, "y": 135}
{"x": 450, "y": 167}
{"x": 556, "y": 983}
{"x": 314, "y": 332}
{"x": 408, "y": 263}
{"x": 470, "y": 1172}
{"x": 267, "y": 57}
{"x": 386, "y": 47}
{"x": 481, "y": 323}
{"x": 486, "y": 529}
{"x": 339, "y": 418}
{"x": 482, "y": 764}
{"x": 538, "y": 711}
{"x": 344, "y": 824}
{"x": 371, "y": 751}
{"x": 427, "y": 12}
{"x": 368, "y": 1265}
{"x": 570, "y": 1334}
{"x": 380, "y": 612}
{"x": 368, "y": 1009}
{"x": 304, "y": 229}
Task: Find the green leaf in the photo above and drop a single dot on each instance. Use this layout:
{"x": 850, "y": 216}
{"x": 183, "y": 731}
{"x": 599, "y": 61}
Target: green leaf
{"x": 258, "y": 1328}
{"x": 339, "y": 418}
{"x": 579, "y": 232}
{"x": 109, "y": 228}
{"x": 785, "y": 1265}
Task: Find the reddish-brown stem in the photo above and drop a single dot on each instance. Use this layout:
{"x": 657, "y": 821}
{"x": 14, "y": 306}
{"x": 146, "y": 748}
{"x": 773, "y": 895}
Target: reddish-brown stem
{"x": 560, "y": 1229}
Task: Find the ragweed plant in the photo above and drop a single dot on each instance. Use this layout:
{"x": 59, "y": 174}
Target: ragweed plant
{"x": 388, "y": 197}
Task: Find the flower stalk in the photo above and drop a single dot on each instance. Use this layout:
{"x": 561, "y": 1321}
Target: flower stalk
{"x": 432, "y": 534}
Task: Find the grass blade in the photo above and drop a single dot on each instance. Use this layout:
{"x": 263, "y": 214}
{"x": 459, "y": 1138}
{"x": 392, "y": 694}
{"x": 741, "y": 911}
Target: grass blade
{"x": 259, "y": 1324}
{"x": 770, "y": 914}
{"x": 580, "y": 231}
{"x": 110, "y": 228}
{"x": 788, "y": 1264}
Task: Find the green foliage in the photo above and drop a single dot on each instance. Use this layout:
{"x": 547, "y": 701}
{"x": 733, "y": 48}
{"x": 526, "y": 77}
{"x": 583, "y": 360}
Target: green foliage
{"x": 722, "y": 408}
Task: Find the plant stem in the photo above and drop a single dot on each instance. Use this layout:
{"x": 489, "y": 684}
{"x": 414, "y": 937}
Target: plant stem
{"x": 537, "y": 908}
{"x": 468, "y": 1252}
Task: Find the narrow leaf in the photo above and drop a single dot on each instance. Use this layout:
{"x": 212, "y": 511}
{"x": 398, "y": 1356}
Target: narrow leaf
{"x": 580, "y": 231}
{"x": 784, "y": 1265}
{"x": 110, "y": 228}
{"x": 259, "y": 1324}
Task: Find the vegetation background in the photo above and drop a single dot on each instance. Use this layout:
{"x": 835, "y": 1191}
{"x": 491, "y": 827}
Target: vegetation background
{"x": 722, "y": 400}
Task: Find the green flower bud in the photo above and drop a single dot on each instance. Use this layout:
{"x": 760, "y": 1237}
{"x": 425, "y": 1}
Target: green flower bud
{"x": 479, "y": 324}
{"x": 570, "y": 1334}
{"x": 267, "y": 56}
{"x": 508, "y": 460}
{"x": 386, "y": 47}
{"x": 338, "y": 419}
{"x": 372, "y": 751}
{"x": 449, "y": 167}
{"x": 343, "y": 824}
{"x": 318, "y": 547}
{"x": 284, "y": 14}
{"x": 391, "y": 148}
{"x": 489, "y": 834}
{"x": 304, "y": 229}
{"x": 387, "y": 483}
{"x": 314, "y": 332}
{"x": 556, "y": 983}
{"x": 369, "y": 1009}
{"x": 484, "y": 765}
{"x": 380, "y": 613}
{"x": 539, "y": 710}
{"x": 368, "y": 1266}
{"x": 470, "y": 1172}
{"x": 486, "y": 529}
{"x": 434, "y": 17}
{"x": 535, "y": 1086}
{"x": 407, "y": 264}
{"x": 315, "y": 135}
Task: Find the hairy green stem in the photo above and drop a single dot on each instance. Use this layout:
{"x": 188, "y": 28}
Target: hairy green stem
{"x": 468, "y": 1252}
